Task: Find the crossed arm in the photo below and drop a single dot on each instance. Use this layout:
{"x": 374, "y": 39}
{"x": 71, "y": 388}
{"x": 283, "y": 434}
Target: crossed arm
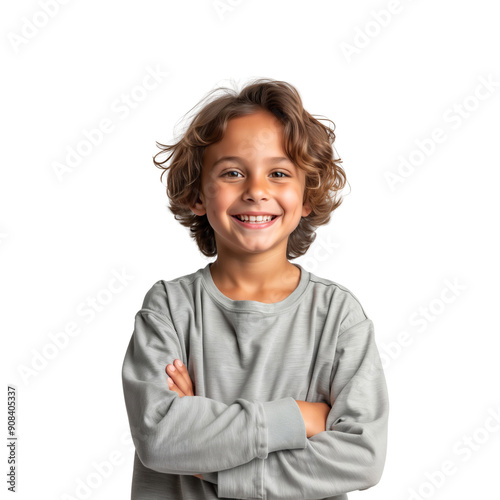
{"x": 348, "y": 456}
{"x": 314, "y": 414}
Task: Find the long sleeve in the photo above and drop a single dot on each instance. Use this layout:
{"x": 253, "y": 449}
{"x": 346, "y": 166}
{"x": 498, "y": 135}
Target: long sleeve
{"x": 349, "y": 455}
{"x": 193, "y": 435}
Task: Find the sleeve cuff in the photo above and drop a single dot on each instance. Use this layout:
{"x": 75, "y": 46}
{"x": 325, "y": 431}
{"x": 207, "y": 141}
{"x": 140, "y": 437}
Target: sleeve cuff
{"x": 285, "y": 426}
{"x": 211, "y": 477}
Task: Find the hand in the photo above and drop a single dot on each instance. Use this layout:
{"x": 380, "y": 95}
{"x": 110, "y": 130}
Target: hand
{"x": 314, "y": 415}
{"x": 181, "y": 382}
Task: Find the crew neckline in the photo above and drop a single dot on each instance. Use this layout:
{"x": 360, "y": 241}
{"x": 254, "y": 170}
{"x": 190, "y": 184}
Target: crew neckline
{"x": 254, "y": 305}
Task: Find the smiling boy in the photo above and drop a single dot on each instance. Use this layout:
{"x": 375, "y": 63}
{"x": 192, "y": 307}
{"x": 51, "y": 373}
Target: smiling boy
{"x": 249, "y": 173}
{"x": 281, "y": 393}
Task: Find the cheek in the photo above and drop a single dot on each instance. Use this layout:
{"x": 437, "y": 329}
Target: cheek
{"x": 221, "y": 199}
{"x": 292, "y": 199}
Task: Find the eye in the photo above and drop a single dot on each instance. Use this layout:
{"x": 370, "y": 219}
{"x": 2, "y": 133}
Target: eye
{"x": 229, "y": 172}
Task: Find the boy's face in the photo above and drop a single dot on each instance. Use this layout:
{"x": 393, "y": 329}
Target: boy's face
{"x": 257, "y": 178}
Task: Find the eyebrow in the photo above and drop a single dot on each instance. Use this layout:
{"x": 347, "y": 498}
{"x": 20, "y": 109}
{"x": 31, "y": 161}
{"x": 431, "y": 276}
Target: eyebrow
{"x": 238, "y": 159}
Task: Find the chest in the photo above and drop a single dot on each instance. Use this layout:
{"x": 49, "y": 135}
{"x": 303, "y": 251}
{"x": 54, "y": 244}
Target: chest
{"x": 255, "y": 356}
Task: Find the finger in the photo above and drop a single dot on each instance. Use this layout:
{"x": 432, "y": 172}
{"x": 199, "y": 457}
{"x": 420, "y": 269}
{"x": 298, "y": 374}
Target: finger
{"x": 174, "y": 387}
{"x": 178, "y": 378}
{"x": 182, "y": 370}
{"x": 181, "y": 377}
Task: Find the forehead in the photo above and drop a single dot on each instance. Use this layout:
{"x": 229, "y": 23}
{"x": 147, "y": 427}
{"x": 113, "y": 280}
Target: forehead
{"x": 261, "y": 124}
{"x": 255, "y": 132}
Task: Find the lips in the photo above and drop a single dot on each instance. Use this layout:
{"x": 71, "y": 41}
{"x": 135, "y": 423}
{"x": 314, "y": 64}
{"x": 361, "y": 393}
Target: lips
{"x": 256, "y": 224}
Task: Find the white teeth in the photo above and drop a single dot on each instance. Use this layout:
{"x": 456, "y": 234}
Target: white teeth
{"x": 252, "y": 218}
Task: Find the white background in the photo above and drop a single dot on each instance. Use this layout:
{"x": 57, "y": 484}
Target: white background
{"x": 387, "y": 80}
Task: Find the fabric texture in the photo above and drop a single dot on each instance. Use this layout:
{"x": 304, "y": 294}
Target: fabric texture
{"x": 249, "y": 362}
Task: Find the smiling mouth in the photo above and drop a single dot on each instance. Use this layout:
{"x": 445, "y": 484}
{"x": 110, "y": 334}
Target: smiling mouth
{"x": 259, "y": 219}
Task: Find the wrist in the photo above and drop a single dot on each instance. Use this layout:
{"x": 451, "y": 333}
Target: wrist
{"x": 304, "y": 412}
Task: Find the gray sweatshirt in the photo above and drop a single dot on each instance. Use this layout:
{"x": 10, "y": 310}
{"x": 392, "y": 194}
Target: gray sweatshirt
{"x": 249, "y": 361}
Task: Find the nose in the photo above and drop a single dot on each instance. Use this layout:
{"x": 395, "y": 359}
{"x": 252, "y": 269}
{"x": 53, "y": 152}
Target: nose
{"x": 256, "y": 188}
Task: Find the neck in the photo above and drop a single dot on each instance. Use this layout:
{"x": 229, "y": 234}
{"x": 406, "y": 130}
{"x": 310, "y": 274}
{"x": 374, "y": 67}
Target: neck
{"x": 255, "y": 274}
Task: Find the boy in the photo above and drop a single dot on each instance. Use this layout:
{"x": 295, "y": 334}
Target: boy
{"x": 281, "y": 392}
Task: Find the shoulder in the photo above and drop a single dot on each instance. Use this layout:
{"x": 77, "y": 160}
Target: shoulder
{"x": 339, "y": 299}
{"x": 165, "y": 295}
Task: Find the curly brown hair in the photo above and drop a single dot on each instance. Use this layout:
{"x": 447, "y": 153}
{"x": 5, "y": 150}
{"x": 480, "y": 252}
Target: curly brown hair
{"x": 308, "y": 143}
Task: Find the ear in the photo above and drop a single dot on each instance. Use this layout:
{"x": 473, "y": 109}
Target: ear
{"x": 199, "y": 207}
{"x": 306, "y": 208}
